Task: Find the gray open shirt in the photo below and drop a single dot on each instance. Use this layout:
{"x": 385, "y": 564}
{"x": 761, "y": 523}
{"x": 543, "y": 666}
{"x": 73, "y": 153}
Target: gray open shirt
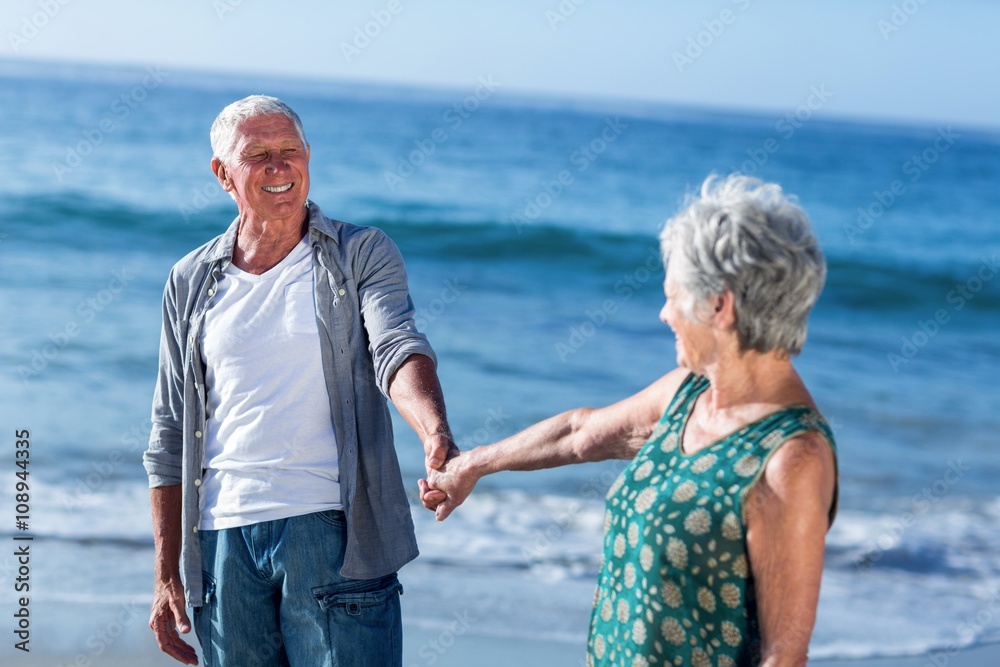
{"x": 365, "y": 318}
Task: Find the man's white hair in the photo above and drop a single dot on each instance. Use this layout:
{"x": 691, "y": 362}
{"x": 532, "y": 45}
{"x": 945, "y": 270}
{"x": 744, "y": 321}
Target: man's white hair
{"x": 227, "y": 123}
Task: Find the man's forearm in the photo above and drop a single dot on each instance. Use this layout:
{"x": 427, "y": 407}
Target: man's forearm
{"x": 165, "y": 502}
{"x": 416, "y": 392}
{"x": 167, "y": 617}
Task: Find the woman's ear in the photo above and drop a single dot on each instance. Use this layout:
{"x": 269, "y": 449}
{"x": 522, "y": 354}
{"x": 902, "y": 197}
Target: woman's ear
{"x": 724, "y": 310}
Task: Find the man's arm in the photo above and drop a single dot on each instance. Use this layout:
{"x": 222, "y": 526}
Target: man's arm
{"x": 416, "y": 393}
{"x": 162, "y": 461}
{"x": 402, "y": 358}
{"x": 168, "y": 614}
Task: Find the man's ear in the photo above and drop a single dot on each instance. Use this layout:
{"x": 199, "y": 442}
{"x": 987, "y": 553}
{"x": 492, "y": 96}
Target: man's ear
{"x": 221, "y": 173}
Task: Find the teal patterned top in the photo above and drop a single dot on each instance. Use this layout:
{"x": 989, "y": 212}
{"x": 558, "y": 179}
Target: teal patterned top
{"x": 675, "y": 587}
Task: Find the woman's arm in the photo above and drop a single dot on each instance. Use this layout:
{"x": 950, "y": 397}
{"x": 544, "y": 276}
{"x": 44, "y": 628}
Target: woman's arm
{"x": 787, "y": 515}
{"x": 575, "y": 436}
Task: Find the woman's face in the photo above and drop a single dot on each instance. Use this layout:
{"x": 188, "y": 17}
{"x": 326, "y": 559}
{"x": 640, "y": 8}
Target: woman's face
{"x": 695, "y": 341}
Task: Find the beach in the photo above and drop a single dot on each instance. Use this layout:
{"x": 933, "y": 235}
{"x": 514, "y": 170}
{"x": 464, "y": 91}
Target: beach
{"x": 530, "y": 241}
{"x": 466, "y": 616}
{"x": 497, "y": 653}
{"x": 451, "y": 645}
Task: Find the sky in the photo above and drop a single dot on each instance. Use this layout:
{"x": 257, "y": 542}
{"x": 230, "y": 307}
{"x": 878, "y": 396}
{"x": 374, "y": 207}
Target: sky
{"x": 910, "y": 61}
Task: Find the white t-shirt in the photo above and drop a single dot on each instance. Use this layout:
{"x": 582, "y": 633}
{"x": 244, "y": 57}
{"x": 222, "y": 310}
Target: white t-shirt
{"x": 270, "y": 449}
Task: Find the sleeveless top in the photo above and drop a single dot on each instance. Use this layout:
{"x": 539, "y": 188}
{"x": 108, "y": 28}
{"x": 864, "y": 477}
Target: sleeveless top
{"x": 675, "y": 586}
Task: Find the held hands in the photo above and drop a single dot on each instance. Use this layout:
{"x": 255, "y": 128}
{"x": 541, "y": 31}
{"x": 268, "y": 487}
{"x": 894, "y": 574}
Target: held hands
{"x": 447, "y": 487}
{"x": 438, "y": 448}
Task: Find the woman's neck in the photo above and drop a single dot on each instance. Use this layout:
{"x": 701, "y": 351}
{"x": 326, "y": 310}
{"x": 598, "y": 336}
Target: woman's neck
{"x": 750, "y": 377}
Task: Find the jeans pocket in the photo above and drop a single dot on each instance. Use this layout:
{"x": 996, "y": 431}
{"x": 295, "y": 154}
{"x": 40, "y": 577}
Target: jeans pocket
{"x": 353, "y": 602}
{"x": 332, "y": 517}
{"x": 364, "y": 621}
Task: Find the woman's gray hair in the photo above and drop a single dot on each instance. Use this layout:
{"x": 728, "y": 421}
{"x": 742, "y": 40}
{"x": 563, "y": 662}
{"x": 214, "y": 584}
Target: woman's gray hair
{"x": 223, "y": 133}
{"x": 748, "y": 237}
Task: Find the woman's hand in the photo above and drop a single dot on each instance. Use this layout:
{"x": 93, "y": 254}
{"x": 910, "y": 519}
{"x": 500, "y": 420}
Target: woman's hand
{"x": 447, "y": 488}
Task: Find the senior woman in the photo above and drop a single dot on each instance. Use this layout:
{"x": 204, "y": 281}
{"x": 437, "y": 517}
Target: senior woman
{"x": 714, "y": 533}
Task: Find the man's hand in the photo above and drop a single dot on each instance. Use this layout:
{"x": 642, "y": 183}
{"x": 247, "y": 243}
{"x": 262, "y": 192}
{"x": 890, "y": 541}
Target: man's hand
{"x": 438, "y": 448}
{"x": 167, "y": 618}
{"x": 446, "y": 489}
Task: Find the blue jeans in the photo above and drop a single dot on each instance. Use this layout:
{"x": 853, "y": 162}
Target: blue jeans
{"x": 274, "y": 596}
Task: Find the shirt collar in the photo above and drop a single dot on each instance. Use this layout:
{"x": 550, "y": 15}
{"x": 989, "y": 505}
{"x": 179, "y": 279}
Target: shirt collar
{"x": 222, "y": 248}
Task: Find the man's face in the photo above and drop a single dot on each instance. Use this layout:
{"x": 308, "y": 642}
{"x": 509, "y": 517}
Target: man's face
{"x": 268, "y": 173}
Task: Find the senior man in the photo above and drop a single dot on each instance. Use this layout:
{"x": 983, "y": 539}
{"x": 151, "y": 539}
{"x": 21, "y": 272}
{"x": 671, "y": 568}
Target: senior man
{"x": 278, "y": 507}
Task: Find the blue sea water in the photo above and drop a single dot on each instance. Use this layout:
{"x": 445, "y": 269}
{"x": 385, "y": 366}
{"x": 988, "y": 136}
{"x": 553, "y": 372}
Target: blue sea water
{"x": 529, "y": 230}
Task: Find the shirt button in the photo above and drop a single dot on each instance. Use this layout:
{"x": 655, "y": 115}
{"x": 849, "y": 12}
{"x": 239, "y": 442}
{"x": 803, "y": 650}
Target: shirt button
{"x": 197, "y": 482}
{"x": 197, "y": 434}
{"x": 211, "y": 291}
{"x": 342, "y": 291}
{"x": 196, "y": 529}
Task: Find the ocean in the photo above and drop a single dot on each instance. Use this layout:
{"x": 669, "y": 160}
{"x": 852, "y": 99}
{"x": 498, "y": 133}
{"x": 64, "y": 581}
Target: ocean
{"x": 529, "y": 230}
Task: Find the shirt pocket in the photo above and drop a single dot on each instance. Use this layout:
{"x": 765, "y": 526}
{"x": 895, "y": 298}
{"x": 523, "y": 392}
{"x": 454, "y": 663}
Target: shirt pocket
{"x": 300, "y": 309}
